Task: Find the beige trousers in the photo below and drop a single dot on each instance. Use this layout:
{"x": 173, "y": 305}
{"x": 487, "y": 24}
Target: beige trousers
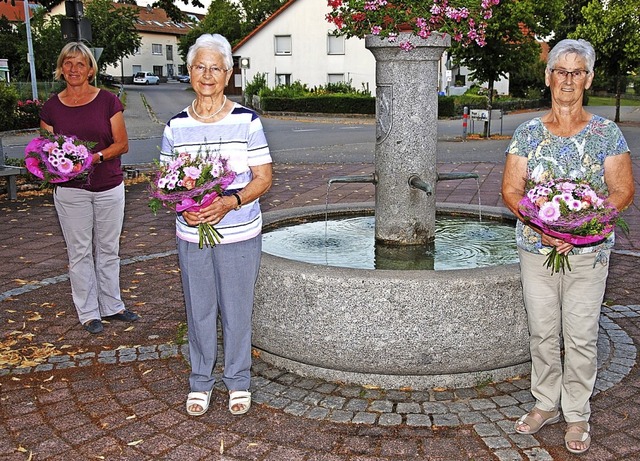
{"x": 563, "y": 307}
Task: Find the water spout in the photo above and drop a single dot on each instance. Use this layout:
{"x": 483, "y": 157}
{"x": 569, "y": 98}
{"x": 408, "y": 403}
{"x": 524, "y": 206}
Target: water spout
{"x": 454, "y": 176}
{"x": 418, "y": 183}
{"x": 365, "y": 178}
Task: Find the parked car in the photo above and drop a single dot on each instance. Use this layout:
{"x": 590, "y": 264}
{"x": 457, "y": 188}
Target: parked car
{"x": 184, "y": 78}
{"x": 146, "y": 78}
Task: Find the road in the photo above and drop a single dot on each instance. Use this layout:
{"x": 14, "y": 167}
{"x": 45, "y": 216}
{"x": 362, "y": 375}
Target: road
{"x": 327, "y": 140}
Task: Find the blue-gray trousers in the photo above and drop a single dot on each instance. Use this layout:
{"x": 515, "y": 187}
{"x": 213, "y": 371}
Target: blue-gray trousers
{"x": 219, "y": 280}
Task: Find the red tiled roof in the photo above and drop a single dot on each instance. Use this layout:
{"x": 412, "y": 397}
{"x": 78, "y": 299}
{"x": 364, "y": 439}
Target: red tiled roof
{"x": 156, "y": 20}
{"x": 14, "y": 13}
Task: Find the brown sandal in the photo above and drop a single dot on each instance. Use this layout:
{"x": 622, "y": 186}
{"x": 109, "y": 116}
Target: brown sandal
{"x": 577, "y": 432}
{"x": 536, "y": 419}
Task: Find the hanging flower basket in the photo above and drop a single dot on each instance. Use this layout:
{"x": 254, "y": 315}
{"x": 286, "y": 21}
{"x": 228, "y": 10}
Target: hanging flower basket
{"x": 464, "y": 20}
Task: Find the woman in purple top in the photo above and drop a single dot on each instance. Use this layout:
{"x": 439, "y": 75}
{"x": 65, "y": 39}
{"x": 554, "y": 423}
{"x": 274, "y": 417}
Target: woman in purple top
{"x": 91, "y": 211}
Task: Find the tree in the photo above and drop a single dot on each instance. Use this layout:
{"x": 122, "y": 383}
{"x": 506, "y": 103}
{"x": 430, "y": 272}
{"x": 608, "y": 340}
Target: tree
{"x": 9, "y": 38}
{"x": 511, "y": 41}
{"x": 572, "y": 16}
{"x": 113, "y": 29}
{"x": 47, "y": 42}
{"x": 256, "y": 11}
{"x": 173, "y": 11}
{"x": 611, "y": 26}
{"x": 223, "y": 17}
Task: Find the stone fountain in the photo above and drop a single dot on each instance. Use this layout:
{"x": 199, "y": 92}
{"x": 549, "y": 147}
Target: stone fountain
{"x": 394, "y": 328}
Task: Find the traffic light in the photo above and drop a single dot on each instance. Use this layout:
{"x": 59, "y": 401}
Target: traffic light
{"x": 75, "y": 27}
{"x": 74, "y": 9}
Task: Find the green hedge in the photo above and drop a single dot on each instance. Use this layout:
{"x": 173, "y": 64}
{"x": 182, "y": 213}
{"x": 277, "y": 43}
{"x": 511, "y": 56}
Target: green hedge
{"x": 448, "y": 106}
{"x": 328, "y": 104}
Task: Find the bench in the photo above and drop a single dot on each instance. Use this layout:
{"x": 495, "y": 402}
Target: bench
{"x": 11, "y": 173}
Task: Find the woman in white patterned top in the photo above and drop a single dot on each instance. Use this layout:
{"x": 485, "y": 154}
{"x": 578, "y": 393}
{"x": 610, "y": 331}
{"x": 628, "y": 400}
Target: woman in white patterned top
{"x": 220, "y": 279}
{"x": 567, "y": 142}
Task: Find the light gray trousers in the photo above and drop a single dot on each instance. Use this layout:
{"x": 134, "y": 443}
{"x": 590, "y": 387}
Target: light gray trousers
{"x": 568, "y": 306}
{"x": 91, "y": 224}
{"x": 219, "y": 280}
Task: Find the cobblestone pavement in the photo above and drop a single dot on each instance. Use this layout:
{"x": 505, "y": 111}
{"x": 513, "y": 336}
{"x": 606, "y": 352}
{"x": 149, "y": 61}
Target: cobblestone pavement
{"x": 68, "y": 395}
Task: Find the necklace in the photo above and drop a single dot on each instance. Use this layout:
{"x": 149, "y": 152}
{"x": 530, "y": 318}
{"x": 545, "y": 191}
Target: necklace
{"x": 193, "y": 108}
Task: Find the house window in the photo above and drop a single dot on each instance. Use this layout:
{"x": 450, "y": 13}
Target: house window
{"x": 157, "y": 70}
{"x": 460, "y": 80}
{"x": 137, "y": 51}
{"x": 283, "y": 79}
{"x": 169, "y": 52}
{"x": 335, "y": 78}
{"x": 335, "y": 45}
{"x": 283, "y": 44}
{"x": 156, "y": 48}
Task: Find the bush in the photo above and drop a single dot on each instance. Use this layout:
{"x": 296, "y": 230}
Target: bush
{"x": 254, "y": 87}
{"x": 294, "y": 90}
{"x": 28, "y": 114}
{"x": 472, "y": 101}
{"x": 8, "y": 102}
{"x": 340, "y": 88}
{"x": 446, "y": 106}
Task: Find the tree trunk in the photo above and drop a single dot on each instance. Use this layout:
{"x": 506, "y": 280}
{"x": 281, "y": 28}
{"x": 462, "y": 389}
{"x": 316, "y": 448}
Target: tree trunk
{"x": 617, "y": 118}
{"x": 487, "y": 125}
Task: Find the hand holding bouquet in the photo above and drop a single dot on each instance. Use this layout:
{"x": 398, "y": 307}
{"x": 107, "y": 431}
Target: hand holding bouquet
{"x": 189, "y": 184}
{"x": 570, "y": 210}
{"x": 58, "y": 158}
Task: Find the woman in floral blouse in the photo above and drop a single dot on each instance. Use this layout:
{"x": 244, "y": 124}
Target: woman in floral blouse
{"x": 567, "y": 142}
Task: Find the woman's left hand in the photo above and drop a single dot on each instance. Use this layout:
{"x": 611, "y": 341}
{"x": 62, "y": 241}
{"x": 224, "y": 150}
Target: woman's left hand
{"x": 211, "y": 214}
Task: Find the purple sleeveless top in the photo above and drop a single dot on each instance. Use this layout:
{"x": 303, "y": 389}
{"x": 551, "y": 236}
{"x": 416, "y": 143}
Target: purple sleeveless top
{"x": 90, "y": 122}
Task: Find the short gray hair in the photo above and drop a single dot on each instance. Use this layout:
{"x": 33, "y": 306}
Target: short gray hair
{"x": 212, "y": 42}
{"x": 569, "y": 46}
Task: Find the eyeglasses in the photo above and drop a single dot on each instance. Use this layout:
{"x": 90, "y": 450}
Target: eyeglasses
{"x": 215, "y": 70}
{"x": 577, "y": 75}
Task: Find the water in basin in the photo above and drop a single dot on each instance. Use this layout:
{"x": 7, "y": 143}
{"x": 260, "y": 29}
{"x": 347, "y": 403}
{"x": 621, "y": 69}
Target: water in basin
{"x": 460, "y": 243}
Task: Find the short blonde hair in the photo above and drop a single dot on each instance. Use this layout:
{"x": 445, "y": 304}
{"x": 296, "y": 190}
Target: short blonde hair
{"x": 74, "y": 49}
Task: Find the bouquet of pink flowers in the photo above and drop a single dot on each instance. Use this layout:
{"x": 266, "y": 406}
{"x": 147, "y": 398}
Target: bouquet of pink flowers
{"x": 569, "y": 210}
{"x": 57, "y": 158}
{"x": 190, "y": 183}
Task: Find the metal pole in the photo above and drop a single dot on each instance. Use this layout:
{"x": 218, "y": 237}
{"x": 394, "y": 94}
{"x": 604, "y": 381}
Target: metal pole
{"x": 30, "y": 57}
{"x": 465, "y": 118}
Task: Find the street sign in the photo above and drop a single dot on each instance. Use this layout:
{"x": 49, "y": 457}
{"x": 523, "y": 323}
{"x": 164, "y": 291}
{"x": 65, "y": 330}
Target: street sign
{"x": 479, "y": 114}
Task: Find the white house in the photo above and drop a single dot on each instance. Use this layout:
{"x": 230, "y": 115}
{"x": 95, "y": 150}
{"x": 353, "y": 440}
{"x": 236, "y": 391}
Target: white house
{"x": 158, "y": 52}
{"x": 296, "y": 44}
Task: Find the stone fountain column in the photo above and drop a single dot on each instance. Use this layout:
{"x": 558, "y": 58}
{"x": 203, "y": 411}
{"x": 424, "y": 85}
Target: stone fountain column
{"x": 406, "y": 135}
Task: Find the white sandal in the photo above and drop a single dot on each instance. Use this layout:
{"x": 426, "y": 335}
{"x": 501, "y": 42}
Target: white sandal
{"x": 201, "y": 399}
{"x": 241, "y": 399}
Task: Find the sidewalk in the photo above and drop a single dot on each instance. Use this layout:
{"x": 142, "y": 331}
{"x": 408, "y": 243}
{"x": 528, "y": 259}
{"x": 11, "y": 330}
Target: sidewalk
{"x": 68, "y": 395}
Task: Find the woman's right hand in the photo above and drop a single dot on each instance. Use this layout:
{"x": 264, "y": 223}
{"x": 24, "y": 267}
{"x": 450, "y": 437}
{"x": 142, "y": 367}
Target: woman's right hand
{"x": 561, "y": 246}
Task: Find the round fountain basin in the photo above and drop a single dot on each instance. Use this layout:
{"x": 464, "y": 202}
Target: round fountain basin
{"x": 390, "y": 328}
